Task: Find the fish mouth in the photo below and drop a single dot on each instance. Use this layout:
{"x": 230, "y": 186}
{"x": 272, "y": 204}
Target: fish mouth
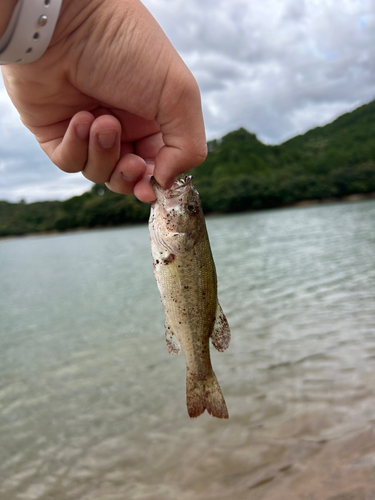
{"x": 180, "y": 186}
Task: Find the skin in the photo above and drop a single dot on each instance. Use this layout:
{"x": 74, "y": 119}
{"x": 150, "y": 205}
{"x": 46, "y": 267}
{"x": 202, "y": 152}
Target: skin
{"x": 111, "y": 98}
{"x": 7, "y": 7}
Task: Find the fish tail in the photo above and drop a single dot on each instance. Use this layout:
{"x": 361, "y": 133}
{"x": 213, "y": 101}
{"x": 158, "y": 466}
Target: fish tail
{"x": 204, "y": 394}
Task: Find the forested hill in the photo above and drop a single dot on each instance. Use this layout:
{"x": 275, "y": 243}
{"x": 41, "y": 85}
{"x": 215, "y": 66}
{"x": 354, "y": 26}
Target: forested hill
{"x": 240, "y": 173}
{"x": 333, "y": 161}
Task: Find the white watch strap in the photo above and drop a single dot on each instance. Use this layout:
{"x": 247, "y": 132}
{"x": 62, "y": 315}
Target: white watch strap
{"x": 29, "y": 31}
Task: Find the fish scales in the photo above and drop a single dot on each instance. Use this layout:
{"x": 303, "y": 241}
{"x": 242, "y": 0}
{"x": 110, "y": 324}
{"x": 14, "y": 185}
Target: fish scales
{"x": 186, "y": 277}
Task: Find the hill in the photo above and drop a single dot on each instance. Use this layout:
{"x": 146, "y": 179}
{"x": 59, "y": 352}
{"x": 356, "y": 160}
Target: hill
{"x": 333, "y": 161}
{"x": 240, "y": 173}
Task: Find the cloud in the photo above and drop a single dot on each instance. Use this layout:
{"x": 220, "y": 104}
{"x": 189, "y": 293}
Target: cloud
{"x": 25, "y": 171}
{"x": 279, "y": 62}
{"x": 275, "y": 58}
{"x": 277, "y": 68}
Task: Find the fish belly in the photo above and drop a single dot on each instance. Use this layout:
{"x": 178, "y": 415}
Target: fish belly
{"x": 188, "y": 288}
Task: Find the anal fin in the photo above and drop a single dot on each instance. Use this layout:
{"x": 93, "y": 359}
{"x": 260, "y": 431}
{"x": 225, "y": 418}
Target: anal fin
{"x": 173, "y": 345}
{"x": 220, "y": 336}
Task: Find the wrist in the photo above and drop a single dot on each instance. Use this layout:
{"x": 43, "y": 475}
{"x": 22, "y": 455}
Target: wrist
{"x": 74, "y": 15}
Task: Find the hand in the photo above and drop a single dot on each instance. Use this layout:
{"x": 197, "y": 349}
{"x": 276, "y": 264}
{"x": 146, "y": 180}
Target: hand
{"x": 112, "y": 98}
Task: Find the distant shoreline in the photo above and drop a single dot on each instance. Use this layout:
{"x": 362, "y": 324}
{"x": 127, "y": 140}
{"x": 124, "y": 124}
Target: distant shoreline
{"x": 305, "y": 203}
{"x": 346, "y": 199}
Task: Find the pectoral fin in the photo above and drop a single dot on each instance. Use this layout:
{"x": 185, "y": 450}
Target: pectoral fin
{"x": 173, "y": 345}
{"x": 220, "y": 336}
{"x": 174, "y": 271}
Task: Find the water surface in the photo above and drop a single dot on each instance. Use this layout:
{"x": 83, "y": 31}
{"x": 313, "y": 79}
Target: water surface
{"x": 92, "y": 406}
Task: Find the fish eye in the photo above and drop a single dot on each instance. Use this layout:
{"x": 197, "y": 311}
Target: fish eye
{"x": 190, "y": 207}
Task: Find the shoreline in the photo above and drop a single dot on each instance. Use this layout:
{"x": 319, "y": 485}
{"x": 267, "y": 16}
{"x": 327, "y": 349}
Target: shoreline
{"x": 345, "y": 199}
{"x": 352, "y": 198}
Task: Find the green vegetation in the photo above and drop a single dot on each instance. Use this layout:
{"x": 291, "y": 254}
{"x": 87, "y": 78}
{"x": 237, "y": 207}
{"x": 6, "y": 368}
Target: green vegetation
{"x": 333, "y": 161}
{"x": 97, "y": 208}
{"x": 240, "y": 173}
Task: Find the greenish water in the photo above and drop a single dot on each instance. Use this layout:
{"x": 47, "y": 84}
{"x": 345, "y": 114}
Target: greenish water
{"x": 93, "y": 407}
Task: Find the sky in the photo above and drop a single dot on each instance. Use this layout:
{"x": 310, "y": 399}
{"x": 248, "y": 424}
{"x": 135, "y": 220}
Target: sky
{"x": 275, "y": 67}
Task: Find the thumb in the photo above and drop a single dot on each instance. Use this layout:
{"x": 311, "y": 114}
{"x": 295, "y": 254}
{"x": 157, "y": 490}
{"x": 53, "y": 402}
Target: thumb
{"x": 182, "y": 127}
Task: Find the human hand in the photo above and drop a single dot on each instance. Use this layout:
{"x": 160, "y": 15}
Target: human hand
{"x": 111, "y": 98}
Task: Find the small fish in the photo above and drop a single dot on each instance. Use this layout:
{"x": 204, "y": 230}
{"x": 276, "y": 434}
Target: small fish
{"x": 186, "y": 277}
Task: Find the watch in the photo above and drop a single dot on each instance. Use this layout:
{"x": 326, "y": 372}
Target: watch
{"x": 29, "y": 31}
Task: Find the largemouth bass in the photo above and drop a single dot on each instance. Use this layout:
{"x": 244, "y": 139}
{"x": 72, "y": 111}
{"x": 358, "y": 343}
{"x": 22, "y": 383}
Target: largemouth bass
{"x": 186, "y": 277}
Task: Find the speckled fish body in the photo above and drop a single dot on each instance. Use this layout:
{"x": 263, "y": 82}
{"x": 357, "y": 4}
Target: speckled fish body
{"x": 186, "y": 277}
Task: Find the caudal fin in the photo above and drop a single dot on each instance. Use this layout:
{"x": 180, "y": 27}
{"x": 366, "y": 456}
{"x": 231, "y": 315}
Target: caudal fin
{"x": 204, "y": 394}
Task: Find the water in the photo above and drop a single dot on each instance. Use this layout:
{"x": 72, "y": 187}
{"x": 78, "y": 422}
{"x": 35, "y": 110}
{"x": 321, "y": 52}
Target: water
{"x": 92, "y": 406}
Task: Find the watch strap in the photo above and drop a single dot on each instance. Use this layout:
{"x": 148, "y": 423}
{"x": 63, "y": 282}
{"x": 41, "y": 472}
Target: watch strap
{"x": 29, "y": 31}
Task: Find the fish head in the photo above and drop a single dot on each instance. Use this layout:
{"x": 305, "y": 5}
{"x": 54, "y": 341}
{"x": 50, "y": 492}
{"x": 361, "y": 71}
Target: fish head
{"x": 177, "y": 213}
{"x": 179, "y": 205}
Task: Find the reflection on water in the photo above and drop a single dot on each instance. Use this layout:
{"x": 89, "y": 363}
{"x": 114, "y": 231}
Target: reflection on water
{"x": 93, "y": 408}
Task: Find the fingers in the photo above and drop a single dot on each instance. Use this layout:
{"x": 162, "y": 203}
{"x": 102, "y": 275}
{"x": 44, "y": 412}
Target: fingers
{"x": 92, "y": 145}
{"x": 89, "y": 145}
{"x": 133, "y": 171}
{"x": 129, "y": 170}
{"x": 104, "y": 149}
{"x": 70, "y": 152}
{"x": 142, "y": 189}
{"x": 149, "y": 147}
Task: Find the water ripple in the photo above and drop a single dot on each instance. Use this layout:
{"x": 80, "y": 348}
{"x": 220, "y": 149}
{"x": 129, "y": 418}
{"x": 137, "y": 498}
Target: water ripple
{"x": 92, "y": 406}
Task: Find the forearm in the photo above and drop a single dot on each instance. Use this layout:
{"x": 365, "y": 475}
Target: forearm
{"x": 7, "y": 7}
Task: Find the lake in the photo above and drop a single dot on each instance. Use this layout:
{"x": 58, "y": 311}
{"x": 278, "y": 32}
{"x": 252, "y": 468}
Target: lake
{"x": 93, "y": 408}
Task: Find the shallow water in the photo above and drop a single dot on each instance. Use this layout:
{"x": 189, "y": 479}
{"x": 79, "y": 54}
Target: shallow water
{"x": 92, "y": 406}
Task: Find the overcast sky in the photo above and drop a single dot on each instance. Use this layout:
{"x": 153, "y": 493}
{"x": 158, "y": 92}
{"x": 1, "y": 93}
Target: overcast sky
{"x": 276, "y": 67}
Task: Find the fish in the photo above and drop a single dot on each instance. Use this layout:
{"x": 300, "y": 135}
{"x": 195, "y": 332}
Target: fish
{"x": 186, "y": 277}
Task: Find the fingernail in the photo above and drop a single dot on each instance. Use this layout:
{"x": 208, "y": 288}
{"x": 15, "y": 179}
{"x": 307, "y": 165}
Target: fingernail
{"x": 129, "y": 177}
{"x": 107, "y": 139}
{"x": 83, "y": 130}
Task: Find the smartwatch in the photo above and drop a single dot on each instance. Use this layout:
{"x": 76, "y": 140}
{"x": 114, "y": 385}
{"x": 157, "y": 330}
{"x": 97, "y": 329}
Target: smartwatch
{"x": 29, "y": 31}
